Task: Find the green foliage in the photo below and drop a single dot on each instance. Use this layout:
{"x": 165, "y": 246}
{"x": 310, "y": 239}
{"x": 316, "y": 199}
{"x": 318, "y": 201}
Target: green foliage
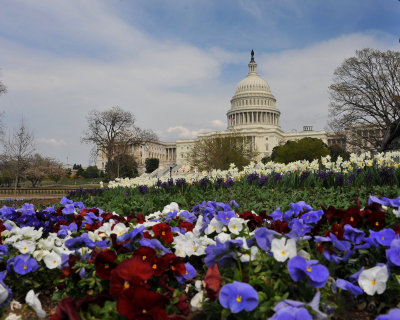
{"x": 91, "y": 172}
{"x": 335, "y": 151}
{"x": 151, "y": 164}
{"x": 220, "y": 152}
{"x": 303, "y": 149}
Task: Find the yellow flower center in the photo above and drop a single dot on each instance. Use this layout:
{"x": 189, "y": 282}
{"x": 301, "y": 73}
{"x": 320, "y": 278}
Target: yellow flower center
{"x": 186, "y": 273}
{"x": 283, "y": 253}
{"x": 163, "y": 233}
{"x": 214, "y": 228}
{"x": 25, "y": 267}
{"x": 226, "y": 218}
{"x": 25, "y": 249}
{"x": 309, "y": 269}
{"x": 377, "y": 223}
{"x": 194, "y": 248}
{"x": 106, "y": 266}
{"x": 173, "y": 268}
{"x": 54, "y": 262}
{"x": 234, "y": 227}
{"x": 373, "y": 282}
{"x": 238, "y": 298}
{"x": 154, "y": 266}
{"x": 383, "y": 238}
{"x": 144, "y": 258}
{"x": 126, "y": 285}
{"x": 144, "y": 311}
{"x": 351, "y": 219}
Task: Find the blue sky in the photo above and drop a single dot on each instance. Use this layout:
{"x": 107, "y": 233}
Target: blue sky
{"x": 174, "y": 64}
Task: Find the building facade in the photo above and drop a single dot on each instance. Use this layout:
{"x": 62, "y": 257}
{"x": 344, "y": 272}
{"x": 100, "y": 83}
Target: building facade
{"x": 253, "y": 115}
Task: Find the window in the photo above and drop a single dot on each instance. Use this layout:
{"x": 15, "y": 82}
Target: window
{"x": 266, "y": 147}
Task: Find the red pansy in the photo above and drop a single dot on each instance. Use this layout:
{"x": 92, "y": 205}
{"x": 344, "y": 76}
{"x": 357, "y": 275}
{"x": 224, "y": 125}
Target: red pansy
{"x": 104, "y": 264}
{"x": 131, "y": 272}
{"x": 187, "y": 226}
{"x": 163, "y": 231}
{"x": 140, "y": 303}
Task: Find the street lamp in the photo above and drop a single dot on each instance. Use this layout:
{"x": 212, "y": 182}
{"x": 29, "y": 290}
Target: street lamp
{"x": 170, "y": 170}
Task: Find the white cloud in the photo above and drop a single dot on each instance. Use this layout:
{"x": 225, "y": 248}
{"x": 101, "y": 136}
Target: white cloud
{"x": 218, "y": 123}
{"x": 299, "y": 79}
{"x": 169, "y": 85}
{"x": 185, "y": 133}
{"x": 52, "y": 142}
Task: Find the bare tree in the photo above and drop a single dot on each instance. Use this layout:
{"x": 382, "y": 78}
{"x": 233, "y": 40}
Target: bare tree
{"x": 365, "y": 97}
{"x": 113, "y": 133}
{"x": 219, "y": 152}
{"x": 40, "y": 167}
{"x": 3, "y": 88}
{"x": 18, "y": 148}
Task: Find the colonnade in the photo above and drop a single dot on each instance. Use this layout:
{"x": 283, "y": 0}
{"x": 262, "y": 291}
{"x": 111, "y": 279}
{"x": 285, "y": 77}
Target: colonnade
{"x": 253, "y": 117}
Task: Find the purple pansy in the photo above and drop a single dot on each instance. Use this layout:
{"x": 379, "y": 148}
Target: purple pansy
{"x": 383, "y": 237}
{"x": 348, "y": 286}
{"x": 238, "y": 296}
{"x": 353, "y": 234}
{"x": 299, "y": 268}
{"x": 393, "y": 253}
{"x": 264, "y": 237}
{"x": 394, "y": 314}
{"x": 24, "y": 264}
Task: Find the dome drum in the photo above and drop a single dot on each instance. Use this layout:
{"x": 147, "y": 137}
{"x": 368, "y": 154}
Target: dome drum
{"x": 253, "y": 104}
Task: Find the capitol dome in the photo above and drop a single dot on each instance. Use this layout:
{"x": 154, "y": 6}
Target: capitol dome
{"x": 253, "y": 104}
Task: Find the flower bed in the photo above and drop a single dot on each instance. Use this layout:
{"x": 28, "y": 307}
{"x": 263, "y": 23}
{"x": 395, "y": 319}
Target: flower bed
{"x": 213, "y": 260}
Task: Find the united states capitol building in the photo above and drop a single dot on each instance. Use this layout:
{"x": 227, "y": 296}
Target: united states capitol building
{"x": 253, "y": 115}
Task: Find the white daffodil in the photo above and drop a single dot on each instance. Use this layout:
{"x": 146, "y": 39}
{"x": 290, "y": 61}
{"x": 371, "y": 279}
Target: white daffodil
{"x": 214, "y": 226}
{"x": 33, "y": 301}
{"x": 373, "y": 280}
{"x": 52, "y": 260}
{"x": 235, "y": 225}
{"x": 25, "y": 246}
{"x": 283, "y": 249}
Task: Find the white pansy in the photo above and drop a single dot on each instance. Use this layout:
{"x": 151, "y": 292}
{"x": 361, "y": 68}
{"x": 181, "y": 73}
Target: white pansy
{"x": 197, "y": 301}
{"x": 373, "y": 280}
{"x": 40, "y": 254}
{"x": 5, "y": 233}
{"x": 3, "y": 293}
{"x": 223, "y": 236}
{"x": 170, "y": 207}
{"x": 120, "y": 229}
{"x": 245, "y": 257}
{"x": 33, "y": 301}
{"x": 214, "y": 226}
{"x": 13, "y": 316}
{"x": 52, "y": 260}
{"x": 12, "y": 239}
{"x": 283, "y": 249}
{"x": 46, "y": 244}
{"x": 304, "y": 254}
{"x": 25, "y": 246}
{"x": 235, "y": 225}
{"x": 15, "y": 305}
{"x": 30, "y": 233}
